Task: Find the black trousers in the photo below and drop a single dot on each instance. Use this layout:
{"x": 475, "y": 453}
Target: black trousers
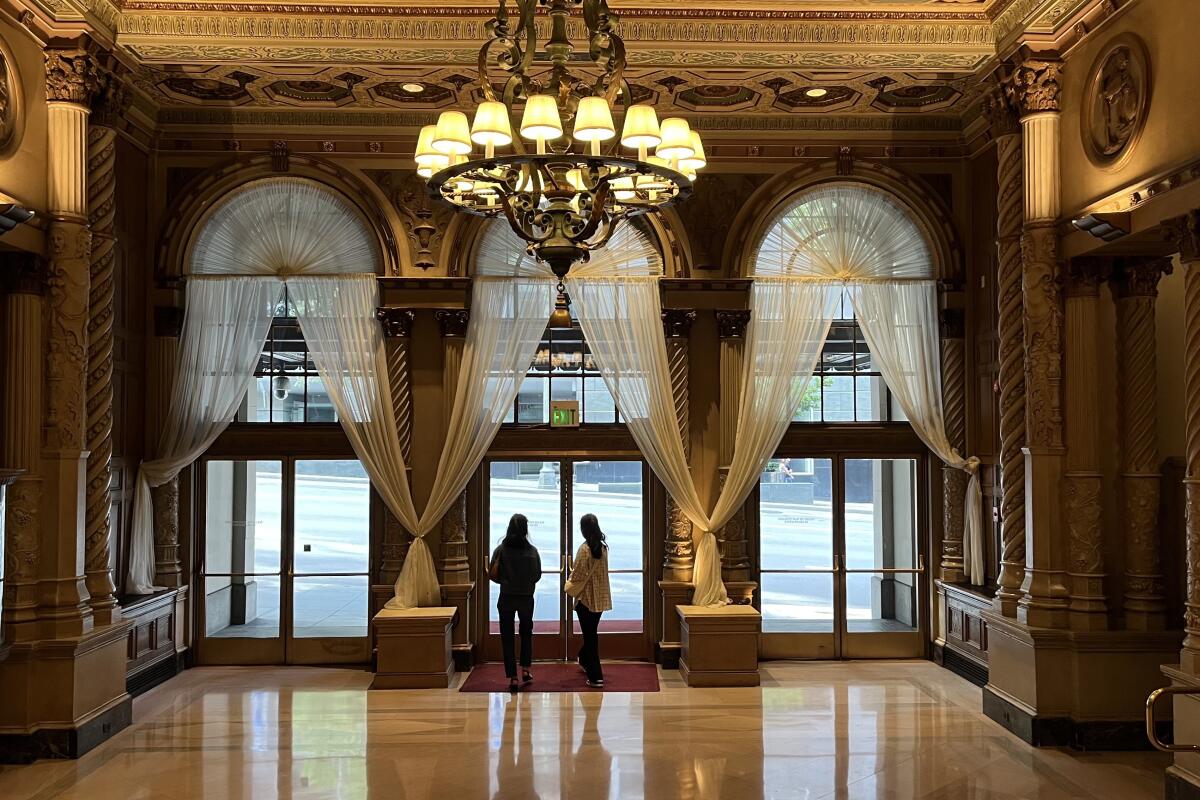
{"x": 522, "y": 606}
{"x": 589, "y": 653}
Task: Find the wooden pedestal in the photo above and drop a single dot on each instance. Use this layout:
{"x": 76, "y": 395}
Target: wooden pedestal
{"x": 720, "y": 645}
{"x": 412, "y": 648}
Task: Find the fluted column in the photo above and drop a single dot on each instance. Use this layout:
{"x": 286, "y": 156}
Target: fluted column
{"x": 397, "y": 330}
{"x": 161, "y": 363}
{"x": 954, "y": 480}
{"x": 1186, "y": 232}
{"x": 1034, "y": 88}
{"x": 679, "y": 555}
{"x": 21, "y": 375}
{"x": 1011, "y": 335}
{"x": 108, "y": 108}
{"x": 1135, "y": 284}
{"x": 1083, "y": 482}
{"x": 455, "y": 565}
{"x": 735, "y": 560}
{"x": 71, "y": 84}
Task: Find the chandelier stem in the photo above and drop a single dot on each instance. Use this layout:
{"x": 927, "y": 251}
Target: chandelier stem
{"x": 541, "y": 145}
{"x": 595, "y": 147}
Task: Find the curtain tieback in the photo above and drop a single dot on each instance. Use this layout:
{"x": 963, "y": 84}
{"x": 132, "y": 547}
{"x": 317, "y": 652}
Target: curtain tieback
{"x": 972, "y": 465}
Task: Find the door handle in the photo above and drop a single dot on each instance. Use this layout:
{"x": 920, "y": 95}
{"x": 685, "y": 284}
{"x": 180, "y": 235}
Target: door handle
{"x": 838, "y": 565}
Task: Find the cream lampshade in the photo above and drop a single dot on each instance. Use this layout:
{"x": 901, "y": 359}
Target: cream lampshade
{"x": 453, "y": 134}
{"x": 436, "y": 164}
{"x": 425, "y": 154}
{"x": 491, "y": 127}
{"x": 654, "y": 182}
{"x": 641, "y": 127}
{"x": 622, "y": 188}
{"x": 540, "y": 119}
{"x": 593, "y": 120}
{"x": 676, "y": 139}
{"x": 697, "y": 159}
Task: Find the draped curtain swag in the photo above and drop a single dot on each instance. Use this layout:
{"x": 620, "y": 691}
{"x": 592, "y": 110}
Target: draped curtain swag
{"x": 860, "y": 238}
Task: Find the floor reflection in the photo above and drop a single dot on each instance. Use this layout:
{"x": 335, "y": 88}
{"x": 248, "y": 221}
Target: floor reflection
{"x": 814, "y": 730}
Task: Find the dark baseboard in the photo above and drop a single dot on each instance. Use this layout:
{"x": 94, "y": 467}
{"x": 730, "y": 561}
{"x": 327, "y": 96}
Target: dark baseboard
{"x": 154, "y": 675}
{"x": 668, "y": 656}
{"x": 960, "y": 665}
{"x": 1067, "y": 732}
{"x": 1179, "y": 788}
{"x": 66, "y": 742}
{"x": 462, "y": 659}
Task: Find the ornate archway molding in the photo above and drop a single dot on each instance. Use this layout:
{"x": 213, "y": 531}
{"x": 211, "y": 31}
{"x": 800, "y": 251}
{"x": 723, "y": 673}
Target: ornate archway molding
{"x": 187, "y": 213}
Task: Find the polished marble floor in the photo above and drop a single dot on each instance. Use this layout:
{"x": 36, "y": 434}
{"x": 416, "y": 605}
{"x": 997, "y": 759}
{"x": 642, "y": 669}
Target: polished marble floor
{"x": 814, "y": 730}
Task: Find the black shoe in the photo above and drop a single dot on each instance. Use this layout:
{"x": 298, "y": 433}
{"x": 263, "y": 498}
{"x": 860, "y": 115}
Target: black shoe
{"x": 595, "y": 684}
{"x": 513, "y": 686}
{"x": 526, "y": 677}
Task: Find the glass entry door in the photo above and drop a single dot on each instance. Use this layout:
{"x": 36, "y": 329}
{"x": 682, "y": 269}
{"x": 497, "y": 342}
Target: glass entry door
{"x": 553, "y": 495}
{"x": 840, "y": 570}
{"x": 285, "y": 567}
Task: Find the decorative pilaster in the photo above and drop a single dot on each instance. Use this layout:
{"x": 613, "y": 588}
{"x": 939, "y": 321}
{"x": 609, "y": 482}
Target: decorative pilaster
{"x": 1185, "y": 230}
{"x": 1011, "y": 334}
{"x": 23, "y": 276}
{"x": 1135, "y": 284}
{"x": 455, "y": 566}
{"x": 397, "y": 330}
{"x": 1083, "y": 482}
{"x": 72, "y": 81}
{"x": 164, "y": 348}
{"x": 954, "y": 481}
{"x": 735, "y": 561}
{"x": 1034, "y": 89}
{"x": 109, "y": 107}
{"x": 679, "y": 555}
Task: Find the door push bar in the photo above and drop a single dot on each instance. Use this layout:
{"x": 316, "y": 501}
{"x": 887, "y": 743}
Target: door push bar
{"x": 1151, "y": 725}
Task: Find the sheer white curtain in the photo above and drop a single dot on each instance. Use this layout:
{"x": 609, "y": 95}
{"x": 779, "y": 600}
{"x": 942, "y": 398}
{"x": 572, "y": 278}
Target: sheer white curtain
{"x": 225, "y": 324}
{"x": 337, "y": 316}
{"x": 864, "y": 239}
{"x": 270, "y": 228}
{"x": 899, "y": 322}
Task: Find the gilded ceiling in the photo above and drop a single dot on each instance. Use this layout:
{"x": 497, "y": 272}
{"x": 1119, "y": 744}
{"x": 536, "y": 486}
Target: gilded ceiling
{"x": 730, "y": 64}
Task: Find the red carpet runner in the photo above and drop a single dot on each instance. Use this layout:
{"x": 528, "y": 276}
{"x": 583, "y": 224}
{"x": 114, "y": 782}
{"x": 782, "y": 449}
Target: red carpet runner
{"x": 558, "y": 677}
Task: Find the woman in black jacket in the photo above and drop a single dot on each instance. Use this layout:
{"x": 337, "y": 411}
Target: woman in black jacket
{"x": 517, "y": 567}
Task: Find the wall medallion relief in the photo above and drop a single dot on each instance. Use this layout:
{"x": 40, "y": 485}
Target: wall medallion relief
{"x": 12, "y": 117}
{"x": 1117, "y": 101}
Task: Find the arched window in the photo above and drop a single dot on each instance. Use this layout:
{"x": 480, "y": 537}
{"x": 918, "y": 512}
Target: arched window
{"x": 283, "y": 227}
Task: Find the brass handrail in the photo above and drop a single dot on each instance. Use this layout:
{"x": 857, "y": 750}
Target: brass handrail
{"x": 1152, "y": 735}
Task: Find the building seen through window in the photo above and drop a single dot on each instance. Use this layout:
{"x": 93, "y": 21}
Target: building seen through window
{"x": 286, "y": 386}
{"x": 563, "y": 369}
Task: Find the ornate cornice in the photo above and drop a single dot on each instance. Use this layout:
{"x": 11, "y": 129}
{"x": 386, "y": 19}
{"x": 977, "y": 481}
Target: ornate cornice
{"x": 453, "y": 322}
{"x": 111, "y": 101}
{"x": 731, "y": 324}
{"x": 677, "y": 322}
{"x": 397, "y": 322}
{"x": 1034, "y": 86}
{"x": 71, "y": 77}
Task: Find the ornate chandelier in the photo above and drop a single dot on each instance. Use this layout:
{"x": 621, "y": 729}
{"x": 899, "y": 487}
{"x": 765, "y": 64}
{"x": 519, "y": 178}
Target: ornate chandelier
{"x": 566, "y": 196}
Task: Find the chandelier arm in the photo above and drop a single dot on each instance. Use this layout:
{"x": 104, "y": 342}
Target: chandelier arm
{"x": 516, "y": 226}
{"x": 526, "y": 27}
{"x": 598, "y": 201}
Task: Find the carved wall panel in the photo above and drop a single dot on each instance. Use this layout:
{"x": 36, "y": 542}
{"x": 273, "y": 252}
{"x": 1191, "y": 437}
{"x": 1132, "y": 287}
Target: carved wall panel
{"x": 12, "y": 103}
{"x": 1117, "y": 101}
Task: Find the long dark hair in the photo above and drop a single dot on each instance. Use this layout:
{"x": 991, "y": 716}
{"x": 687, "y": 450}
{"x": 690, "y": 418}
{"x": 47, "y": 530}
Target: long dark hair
{"x": 590, "y": 526}
{"x": 518, "y": 531}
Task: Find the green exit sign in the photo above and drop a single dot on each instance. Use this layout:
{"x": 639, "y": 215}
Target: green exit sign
{"x": 564, "y": 414}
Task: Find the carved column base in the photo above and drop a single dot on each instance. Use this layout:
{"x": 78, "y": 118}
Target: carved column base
{"x": 954, "y": 494}
{"x": 1045, "y": 602}
{"x": 105, "y": 610}
{"x": 680, "y": 558}
{"x": 455, "y": 565}
{"x": 674, "y": 594}
{"x": 167, "y": 571}
{"x": 1145, "y": 599}
{"x": 394, "y": 549}
{"x": 741, "y": 593}
{"x": 21, "y": 557}
{"x": 1008, "y": 590}
{"x": 1144, "y": 603}
{"x": 63, "y": 611}
{"x": 458, "y": 595}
